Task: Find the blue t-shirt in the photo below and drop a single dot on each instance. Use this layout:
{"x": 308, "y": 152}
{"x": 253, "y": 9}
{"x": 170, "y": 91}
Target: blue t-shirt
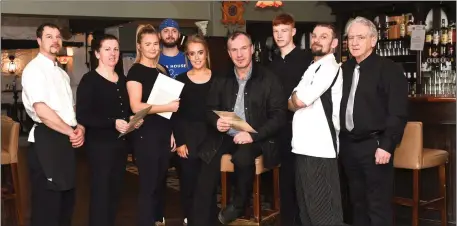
{"x": 175, "y": 65}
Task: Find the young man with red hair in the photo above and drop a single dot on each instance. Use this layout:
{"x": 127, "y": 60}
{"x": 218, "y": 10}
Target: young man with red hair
{"x": 289, "y": 67}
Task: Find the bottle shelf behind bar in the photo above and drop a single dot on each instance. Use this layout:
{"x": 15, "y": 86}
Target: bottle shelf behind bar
{"x": 433, "y": 72}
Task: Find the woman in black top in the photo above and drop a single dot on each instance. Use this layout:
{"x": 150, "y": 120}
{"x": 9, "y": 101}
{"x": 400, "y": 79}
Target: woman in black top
{"x": 154, "y": 140}
{"x": 189, "y": 123}
{"x": 102, "y": 106}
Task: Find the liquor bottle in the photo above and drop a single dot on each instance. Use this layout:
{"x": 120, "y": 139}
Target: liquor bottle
{"x": 451, "y": 32}
{"x": 413, "y": 84}
{"x": 257, "y": 53}
{"x": 379, "y": 28}
{"x": 436, "y": 43}
{"x": 444, "y": 38}
{"x": 386, "y": 31}
{"x": 409, "y": 28}
{"x": 402, "y": 26}
{"x": 451, "y": 40}
{"x": 408, "y": 77}
{"x": 428, "y": 44}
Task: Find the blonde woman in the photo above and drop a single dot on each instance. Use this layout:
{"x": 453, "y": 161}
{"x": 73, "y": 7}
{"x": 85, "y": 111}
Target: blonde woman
{"x": 190, "y": 120}
{"x": 153, "y": 141}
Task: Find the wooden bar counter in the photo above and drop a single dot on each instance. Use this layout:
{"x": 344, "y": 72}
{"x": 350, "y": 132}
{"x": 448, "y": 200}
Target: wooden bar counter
{"x": 438, "y": 115}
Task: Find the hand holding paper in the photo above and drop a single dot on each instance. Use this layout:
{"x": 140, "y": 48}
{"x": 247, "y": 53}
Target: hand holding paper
{"x": 166, "y": 91}
{"x": 137, "y": 118}
{"x": 235, "y": 121}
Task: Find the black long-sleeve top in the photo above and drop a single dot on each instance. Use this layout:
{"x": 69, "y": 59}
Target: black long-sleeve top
{"x": 290, "y": 70}
{"x": 381, "y": 101}
{"x": 189, "y": 122}
{"x": 99, "y": 103}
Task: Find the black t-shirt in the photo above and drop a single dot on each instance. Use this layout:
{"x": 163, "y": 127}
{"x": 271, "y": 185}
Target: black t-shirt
{"x": 192, "y": 104}
{"x": 190, "y": 120}
{"x": 147, "y": 76}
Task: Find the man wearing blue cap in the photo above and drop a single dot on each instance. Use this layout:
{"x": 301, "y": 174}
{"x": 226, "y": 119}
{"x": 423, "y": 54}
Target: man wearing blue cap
{"x": 175, "y": 60}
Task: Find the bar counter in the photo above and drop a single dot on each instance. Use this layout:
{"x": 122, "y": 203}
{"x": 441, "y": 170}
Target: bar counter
{"x": 438, "y": 115}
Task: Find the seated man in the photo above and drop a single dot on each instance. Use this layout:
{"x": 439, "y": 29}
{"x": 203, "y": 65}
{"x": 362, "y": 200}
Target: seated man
{"x": 255, "y": 95}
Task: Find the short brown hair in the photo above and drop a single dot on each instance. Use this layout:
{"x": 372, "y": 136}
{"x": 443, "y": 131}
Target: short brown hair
{"x": 235, "y": 34}
{"x": 284, "y": 18}
{"x": 40, "y": 29}
{"x": 329, "y": 26}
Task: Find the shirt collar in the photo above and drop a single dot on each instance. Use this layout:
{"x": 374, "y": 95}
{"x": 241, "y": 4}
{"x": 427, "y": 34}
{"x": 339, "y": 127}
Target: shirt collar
{"x": 248, "y": 75}
{"x": 367, "y": 61}
{"x": 46, "y": 61}
{"x": 315, "y": 64}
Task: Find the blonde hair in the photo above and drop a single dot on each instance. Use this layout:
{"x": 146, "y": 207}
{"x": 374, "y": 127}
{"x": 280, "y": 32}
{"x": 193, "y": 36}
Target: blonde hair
{"x": 198, "y": 39}
{"x": 140, "y": 32}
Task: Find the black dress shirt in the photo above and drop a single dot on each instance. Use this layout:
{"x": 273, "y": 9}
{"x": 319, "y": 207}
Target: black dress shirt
{"x": 380, "y": 103}
{"x": 290, "y": 71}
{"x": 99, "y": 103}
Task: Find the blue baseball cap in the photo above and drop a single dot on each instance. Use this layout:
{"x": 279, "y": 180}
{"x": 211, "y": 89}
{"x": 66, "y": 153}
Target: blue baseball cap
{"x": 168, "y": 23}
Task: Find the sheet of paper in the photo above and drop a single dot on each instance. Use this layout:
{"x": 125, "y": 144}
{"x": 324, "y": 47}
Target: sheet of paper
{"x": 417, "y": 37}
{"x": 164, "y": 91}
{"x": 136, "y": 118}
{"x": 235, "y": 121}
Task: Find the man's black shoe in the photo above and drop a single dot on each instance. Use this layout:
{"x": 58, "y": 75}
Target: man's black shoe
{"x": 229, "y": 214}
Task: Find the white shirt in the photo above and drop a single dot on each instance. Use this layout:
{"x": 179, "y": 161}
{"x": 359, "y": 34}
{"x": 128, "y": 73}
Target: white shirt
{"x": 44, "y": 81}
{"x": 311, "y": 131}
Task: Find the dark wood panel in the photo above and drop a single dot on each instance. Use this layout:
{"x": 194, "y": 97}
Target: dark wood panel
{"x": 219, "y": 58}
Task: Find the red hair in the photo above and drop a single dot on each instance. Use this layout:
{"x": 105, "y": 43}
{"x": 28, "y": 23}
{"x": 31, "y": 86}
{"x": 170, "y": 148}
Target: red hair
{"x": 284, "y": 18}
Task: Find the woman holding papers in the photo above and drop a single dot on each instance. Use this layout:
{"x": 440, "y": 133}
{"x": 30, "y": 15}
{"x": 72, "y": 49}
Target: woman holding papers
{"x": 189, "y": 123}
{"x": 105, "y": 115}
{"x": 153, "y": 141}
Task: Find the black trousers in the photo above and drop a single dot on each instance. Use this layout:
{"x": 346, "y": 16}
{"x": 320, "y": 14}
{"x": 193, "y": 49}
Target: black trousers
{"x": 49, "y": 207}
{"x": 152, "y": 153}
{"x": 107, "y": 161}
{"x": 188, "y": 176}
{"x": 370, "y": 185}
{"x": 318, "y": 191}
{"x": 288, "y": 200}
{"x": 205, "y": 205}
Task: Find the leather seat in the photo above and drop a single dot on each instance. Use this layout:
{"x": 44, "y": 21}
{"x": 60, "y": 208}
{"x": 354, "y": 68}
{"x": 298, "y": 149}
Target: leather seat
{"x": 411, "y": 155}
{"x": 259, "y": 217}
{"x": 10, "y": 146}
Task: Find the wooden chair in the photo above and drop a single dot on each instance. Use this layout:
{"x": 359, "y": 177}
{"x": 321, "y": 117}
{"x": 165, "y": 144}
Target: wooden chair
{"x": 410, "y": 154}
{"x": 259, "y": 217}
{"x": 10, "y": 144}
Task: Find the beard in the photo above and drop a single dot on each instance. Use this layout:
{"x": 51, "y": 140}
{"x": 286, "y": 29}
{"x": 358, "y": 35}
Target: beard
{"x": 318, "y": 52}
{"x": 170, "y": 44}
{"x": 54, "y": 50}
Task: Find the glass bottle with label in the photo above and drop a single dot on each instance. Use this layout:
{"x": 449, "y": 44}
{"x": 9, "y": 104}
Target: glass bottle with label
{"x": 444, "y": 38}
{"x": 409, "y": 28}
{"x": 428, "y": 44}
{"x": 436, "y": 43}
{"x": 402, "y": 26}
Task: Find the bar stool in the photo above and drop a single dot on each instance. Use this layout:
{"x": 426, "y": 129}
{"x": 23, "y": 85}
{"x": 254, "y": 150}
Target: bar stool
{"x": 10, "y": 144}
{"x": 227, "y": 166}
{"x": 410, "y": 154}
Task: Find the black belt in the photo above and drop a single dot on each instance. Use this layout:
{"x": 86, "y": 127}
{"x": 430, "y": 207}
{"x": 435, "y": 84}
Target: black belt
{"x": 361, "y": 137}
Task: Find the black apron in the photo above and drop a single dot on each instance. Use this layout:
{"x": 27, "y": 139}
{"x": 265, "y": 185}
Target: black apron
{"x": 56, "y": 156}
